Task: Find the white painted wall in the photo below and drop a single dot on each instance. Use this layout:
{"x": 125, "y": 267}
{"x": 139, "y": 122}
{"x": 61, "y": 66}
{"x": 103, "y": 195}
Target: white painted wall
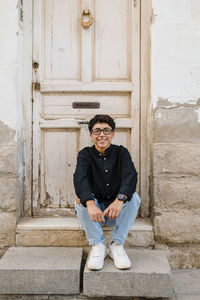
{"x": 8, "y": 62}
{"x": 175, "y": 54}
{"x": 176, "y": 51}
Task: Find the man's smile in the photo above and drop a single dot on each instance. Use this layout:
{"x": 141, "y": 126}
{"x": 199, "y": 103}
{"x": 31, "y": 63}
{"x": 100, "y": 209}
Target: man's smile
{"x": 102, "y": 140}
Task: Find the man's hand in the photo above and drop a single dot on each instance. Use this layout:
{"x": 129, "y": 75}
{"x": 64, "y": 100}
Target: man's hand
{"x": 95, "y": 212}
{"x": 113, "y": 210}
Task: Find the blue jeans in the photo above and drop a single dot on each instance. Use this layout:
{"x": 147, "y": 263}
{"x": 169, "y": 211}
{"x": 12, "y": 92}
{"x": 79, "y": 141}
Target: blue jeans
{"x": 122, "y": 224}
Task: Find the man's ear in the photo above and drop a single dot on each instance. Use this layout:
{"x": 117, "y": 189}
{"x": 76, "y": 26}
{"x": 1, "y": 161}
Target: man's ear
{"x": 113, "y": 135}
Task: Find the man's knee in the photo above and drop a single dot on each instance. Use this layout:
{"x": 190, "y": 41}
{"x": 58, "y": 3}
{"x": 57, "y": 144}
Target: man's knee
{"x": 134, "y": 202}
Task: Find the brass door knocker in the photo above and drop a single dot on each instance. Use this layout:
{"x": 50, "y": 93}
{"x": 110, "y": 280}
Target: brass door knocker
{"x": 86, "y": 19}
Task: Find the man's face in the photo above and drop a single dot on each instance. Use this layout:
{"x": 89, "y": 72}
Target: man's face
{"x": 102, "y": 141}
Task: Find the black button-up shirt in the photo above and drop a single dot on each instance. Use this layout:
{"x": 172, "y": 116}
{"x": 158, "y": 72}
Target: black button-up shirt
{"x": 104, "y": 176}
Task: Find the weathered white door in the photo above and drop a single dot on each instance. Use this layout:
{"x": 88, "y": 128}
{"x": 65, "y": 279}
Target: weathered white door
{"x": 79, "y": 72}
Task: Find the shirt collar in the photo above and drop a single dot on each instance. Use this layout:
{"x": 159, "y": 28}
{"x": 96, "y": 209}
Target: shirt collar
{"x": 107, "y": 152}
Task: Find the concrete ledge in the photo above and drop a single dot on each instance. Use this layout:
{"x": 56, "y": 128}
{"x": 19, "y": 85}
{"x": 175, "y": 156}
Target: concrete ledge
{"x": 67, "y": 232}
{"x": 40, "y": 270}
{"x": 149, "y": 277}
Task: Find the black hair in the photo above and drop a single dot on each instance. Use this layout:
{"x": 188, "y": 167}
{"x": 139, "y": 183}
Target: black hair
{"x": 101, "y": 119}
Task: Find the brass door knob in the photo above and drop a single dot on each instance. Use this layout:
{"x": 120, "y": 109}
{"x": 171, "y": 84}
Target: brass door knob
{"x": 86, "y": 19}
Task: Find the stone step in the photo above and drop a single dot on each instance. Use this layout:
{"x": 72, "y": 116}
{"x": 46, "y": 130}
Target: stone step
{"x": 67, "y": 232}
{"x": 40, "y": 270}
{"x": 149, "y": 276}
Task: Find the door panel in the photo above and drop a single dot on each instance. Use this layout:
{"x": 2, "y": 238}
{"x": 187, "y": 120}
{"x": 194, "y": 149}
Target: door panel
{"x": 112, "y": 21}
{"x": 61, "y": 38}
{"x": 73, "y": 64}
{"x": 57, "y": 106}
{"x": 59, "y": 161}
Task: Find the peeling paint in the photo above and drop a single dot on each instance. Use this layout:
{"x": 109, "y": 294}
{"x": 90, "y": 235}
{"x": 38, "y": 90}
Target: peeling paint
{"x": 178, "y": 124}
{"x": 7, "y": 134}
{"x": 159, "y": 116}
{"x": 165, "y": 103}
{"x": 198, "y": 114}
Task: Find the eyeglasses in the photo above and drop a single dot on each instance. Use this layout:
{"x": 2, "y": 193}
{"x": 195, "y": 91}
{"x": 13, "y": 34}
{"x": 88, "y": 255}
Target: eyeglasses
{"x": 97, "y": 131}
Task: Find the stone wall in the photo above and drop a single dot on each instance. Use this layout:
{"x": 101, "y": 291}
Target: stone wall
{"x": 175, "y": 186}
{"x": 8, "y": 122}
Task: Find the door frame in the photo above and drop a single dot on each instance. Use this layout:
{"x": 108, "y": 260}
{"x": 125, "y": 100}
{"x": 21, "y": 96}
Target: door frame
{"x": 144, "y": 103}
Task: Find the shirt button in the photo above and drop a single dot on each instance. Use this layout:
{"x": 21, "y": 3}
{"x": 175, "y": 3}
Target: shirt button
{"x": 104, "y": 158}
{"x": 108, "y": 197}
{"x": 106, "y": 170}
{"x": 107, "y": 184}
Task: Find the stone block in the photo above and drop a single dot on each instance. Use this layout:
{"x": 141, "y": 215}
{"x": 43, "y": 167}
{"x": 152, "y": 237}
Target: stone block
{"x": 7, "y": 229}
{"x": 68, "y": 232}
{"x": 67, "y": 297}
{"x": 177, "y": 228}
{"x": 8, "y": 159}
{"x": 176, "y": 158}
{"x": 176, "y": 194}
{"x": 3, "y": 251}
{"x": 8, "y": 193}
{"x": 178, "y": 124}
{"x": 186, "y": 281}
{"x": 186, "y": 297}
{"x": 149, "y": 276}
{"x": 26, "y": 297}
{"x": 182, "y": 257}
{"x": 7, "y": 134}
{"x": 52, "y": 270}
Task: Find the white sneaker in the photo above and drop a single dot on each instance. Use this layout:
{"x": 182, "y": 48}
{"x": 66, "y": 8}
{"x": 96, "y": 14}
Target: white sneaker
{"x": 97, "y": 255}
{"x": 118, "y": 254}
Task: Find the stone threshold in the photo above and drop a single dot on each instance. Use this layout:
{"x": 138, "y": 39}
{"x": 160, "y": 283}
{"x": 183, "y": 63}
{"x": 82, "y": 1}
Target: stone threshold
{"x": 67, "y": 231}
{"x": 71, "y": 224}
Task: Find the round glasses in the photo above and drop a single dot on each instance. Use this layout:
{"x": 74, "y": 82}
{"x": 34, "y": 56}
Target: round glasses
{"x": 97, "y": 131}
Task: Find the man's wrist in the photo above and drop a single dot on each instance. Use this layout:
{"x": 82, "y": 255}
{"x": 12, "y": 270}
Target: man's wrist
{"x": 90, "y": 202}
{"x": 122, "y": 197}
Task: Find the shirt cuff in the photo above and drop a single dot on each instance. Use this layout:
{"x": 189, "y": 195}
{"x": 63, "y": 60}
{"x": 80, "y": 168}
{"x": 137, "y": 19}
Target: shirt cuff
{"x": 85, "y": 198}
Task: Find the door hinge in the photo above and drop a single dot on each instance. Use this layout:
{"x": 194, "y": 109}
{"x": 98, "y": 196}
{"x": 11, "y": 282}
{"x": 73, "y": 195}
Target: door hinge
{"x": 36, "y": 86}
{"x": 20, "y": 13}
{"x": 135, "y": 3}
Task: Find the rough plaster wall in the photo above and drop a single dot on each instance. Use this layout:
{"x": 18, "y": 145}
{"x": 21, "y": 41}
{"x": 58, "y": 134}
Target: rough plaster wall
{"x": 176, "y": 129}
{"x": 8, "y": 121}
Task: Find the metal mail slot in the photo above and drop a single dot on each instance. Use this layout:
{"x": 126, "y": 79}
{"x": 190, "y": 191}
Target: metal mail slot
{"x": 86, "y": 105}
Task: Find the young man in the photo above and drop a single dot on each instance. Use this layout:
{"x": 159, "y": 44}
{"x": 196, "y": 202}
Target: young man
{"x": 105, "y": 182}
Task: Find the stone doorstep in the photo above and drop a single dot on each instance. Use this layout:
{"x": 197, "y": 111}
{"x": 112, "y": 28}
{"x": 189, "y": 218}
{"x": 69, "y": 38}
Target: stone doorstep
{"x": 58, "y": 271}
{"x": 149, "y": 276}
{"x": 67, "y": 232}
{"x": 41, "y": 270}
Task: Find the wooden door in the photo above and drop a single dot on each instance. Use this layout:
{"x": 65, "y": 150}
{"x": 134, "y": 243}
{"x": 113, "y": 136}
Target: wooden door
{"x": 79, "y": 72}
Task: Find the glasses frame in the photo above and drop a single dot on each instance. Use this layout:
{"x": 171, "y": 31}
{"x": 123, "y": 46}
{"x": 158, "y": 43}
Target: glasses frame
{"x": 102, "y": 130}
